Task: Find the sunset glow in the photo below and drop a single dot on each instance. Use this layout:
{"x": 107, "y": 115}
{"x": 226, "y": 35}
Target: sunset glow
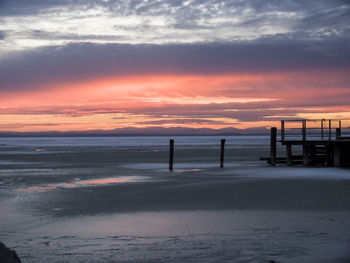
{"x": 232, "y": 75}
{"x": 240, "y": 101}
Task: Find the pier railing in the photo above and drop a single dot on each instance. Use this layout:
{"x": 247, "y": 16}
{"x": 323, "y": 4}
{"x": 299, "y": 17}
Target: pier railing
{"x": 323, "y": 142}
{"x": 311, "y": 129}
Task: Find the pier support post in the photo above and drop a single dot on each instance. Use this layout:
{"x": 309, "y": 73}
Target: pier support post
{"x": 222, "y": 152}
{"x": 273, "y": 146}
{"x": 337, "y": 156}
{"x": 306, "y": 154}
{"x": 289, "y": 154}
{"x": 171, "y": 155}
{"x": 337, "y": 133}
{"x": 282, "y": 130}
{"x": 313, "y": 157}
{"x": 303, "y": 130}
{"x": 330, "y": 156}
{"x": 337, "y": 151}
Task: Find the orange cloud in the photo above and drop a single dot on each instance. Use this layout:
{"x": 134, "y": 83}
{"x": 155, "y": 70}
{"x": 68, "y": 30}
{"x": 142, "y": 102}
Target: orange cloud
{"x": 215, "y": 101}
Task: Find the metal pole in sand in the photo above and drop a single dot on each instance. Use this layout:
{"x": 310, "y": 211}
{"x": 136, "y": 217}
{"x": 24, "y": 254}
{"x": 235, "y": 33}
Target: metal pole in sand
{"x": 273, "y": 143}
{"x": 171, "y": 155}
{"x": 222, "y": 152}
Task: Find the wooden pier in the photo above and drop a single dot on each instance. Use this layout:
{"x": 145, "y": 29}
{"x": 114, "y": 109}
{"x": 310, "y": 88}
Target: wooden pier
{"x": 321, "y": 143}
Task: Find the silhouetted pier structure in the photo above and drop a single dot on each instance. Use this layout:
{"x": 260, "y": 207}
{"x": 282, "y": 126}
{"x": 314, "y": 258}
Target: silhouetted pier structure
{"x": 322, "y": 143}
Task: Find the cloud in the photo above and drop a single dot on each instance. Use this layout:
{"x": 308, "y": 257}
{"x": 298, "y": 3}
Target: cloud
{"x": 326, "y": 18}
{"x": 21, "y": 125}
{"x": 75, "y": 62}
{"x": 164, "y": 22}
{"x": 75, "y": 58}
{"x": 185, "y": 114}
{"x": 2, "y": 35}
{"x": 182, "y": 121}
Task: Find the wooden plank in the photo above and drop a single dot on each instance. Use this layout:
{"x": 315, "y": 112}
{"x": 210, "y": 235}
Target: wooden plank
{"x": 294, "y": 157}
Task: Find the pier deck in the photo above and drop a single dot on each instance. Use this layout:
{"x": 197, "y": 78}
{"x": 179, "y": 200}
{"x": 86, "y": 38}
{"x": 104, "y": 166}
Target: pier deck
{"x": 321, "y": 146}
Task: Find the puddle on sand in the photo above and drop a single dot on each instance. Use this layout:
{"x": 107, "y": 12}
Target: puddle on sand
{"x": 112, "y": 180}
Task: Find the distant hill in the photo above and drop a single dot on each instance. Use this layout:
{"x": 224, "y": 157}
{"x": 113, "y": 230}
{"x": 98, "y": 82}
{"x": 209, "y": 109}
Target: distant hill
{"x": 149, "y": 131}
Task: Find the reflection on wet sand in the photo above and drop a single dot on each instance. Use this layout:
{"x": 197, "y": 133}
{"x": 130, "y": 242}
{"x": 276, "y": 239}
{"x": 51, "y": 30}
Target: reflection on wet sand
{"x": 124, "y": 179}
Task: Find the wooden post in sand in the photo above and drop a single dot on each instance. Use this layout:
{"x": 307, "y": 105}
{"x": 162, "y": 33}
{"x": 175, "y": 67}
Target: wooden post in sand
{"x": 222, "y": 152}
{"x": 273, "y": 144}
{"x": 171, "y": 155}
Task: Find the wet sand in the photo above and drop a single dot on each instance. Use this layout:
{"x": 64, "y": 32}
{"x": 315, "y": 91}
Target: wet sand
{"x": 122, "y": 205}
{"x": 195, "y": 191}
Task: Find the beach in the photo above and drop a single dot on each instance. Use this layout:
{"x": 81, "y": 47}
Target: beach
{"x": 112, "y": 199}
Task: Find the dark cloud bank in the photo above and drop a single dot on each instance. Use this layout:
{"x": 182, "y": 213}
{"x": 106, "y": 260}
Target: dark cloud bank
{"x": 318, "y": 39}
{"x": 81, "y": 61}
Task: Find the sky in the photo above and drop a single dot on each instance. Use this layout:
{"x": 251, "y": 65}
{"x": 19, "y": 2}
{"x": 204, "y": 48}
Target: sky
{"x": 107, "y": 64}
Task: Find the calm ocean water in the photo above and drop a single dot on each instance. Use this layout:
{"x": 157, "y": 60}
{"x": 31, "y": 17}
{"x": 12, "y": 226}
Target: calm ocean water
{"x": 44, "y": 163}
{"x": 135, "y": 141}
